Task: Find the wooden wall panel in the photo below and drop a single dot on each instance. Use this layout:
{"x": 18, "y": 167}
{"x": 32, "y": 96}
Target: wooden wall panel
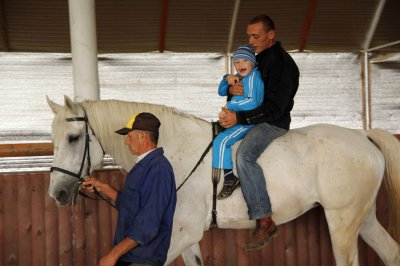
{"x": 2, "y": 225}
{"x": 10, "y": 220}
{"x": 92, "y": 238}
{"x": 51, "y": 228}
{"x": 78, "y": 225}
{"x": 38, "y": 191}
{"x": 65, "y": 237}
{"x": 34, "y": 231}
{"x": 25, "y": 221}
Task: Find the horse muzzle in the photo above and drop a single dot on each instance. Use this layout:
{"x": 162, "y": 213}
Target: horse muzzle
{"x": 64, "y": 196}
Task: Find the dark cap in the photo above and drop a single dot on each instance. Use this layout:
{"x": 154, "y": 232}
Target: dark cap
{"x": 142, "y": 121}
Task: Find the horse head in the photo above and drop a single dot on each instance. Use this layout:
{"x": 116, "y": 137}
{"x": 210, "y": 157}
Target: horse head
{"x": 77, "y": 151}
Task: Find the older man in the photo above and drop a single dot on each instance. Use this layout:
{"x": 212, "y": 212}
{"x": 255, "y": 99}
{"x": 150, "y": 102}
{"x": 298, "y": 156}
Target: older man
{"x": 146, "y": 204}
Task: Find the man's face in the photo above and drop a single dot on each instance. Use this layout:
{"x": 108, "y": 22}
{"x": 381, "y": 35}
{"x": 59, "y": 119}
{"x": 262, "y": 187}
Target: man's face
{"x": 259, "y": 39}
{"x": 134, "y": 141}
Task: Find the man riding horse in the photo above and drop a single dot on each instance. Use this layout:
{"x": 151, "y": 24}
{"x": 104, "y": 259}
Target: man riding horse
{"x": 281, "y": 80}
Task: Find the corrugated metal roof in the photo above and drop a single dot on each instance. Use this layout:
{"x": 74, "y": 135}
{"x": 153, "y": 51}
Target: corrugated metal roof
{"x": 200, "y": 26}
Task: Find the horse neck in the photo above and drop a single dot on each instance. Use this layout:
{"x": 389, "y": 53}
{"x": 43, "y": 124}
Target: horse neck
{"x": 183, "y": 137}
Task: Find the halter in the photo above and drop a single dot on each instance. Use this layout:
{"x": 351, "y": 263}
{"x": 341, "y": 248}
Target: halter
{"x": 79, "y": 175}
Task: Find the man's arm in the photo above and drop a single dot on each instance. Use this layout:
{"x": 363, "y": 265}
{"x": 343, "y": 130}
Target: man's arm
{"x": 253, "y": 94}
{"x": 117, "y": 251}
{"x": 104, "y": 188}
{"x": 236, "y": 89}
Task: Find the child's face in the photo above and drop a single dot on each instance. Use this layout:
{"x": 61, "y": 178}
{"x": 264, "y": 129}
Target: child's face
{"x": 243, "y": 67}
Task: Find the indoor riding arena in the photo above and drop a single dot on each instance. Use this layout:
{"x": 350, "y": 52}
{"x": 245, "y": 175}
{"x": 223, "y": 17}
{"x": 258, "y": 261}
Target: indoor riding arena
{"x": 174, "y": 53}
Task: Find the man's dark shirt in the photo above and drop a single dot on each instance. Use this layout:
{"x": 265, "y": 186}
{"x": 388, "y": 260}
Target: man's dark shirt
{"x": 281, "y": 80}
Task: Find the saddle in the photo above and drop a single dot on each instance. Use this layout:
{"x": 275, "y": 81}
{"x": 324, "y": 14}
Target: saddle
{"x": 216, "y": 129}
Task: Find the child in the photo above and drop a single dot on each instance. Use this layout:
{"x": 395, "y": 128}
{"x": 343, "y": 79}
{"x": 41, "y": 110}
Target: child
{"x": 244, "y": 61}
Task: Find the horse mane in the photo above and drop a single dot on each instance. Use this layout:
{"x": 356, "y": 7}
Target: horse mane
{"x": 107, "y": 116}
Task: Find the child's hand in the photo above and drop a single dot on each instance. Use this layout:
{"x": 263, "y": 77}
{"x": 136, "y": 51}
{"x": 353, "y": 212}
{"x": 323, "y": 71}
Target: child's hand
{"x": 232, "y": 79}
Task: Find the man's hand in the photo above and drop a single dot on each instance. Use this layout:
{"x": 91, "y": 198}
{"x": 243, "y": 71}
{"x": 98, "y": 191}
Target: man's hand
{"x": 108, "y": 260}
{"x": 90, "y": 182}
{"x": 227, "y": 118}
{"x": 117, "y": 251}
{"x": 236, "y": 89}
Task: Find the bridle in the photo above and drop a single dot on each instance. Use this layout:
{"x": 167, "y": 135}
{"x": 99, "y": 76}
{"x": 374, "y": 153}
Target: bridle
{"x": 86, "y": 153}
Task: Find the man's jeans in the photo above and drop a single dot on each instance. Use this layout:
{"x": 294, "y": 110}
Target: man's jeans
{"x": 250, "y": 173}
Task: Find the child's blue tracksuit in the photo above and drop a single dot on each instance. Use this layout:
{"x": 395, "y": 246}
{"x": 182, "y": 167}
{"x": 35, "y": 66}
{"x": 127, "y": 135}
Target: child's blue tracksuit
{"x": 252, "y": 97}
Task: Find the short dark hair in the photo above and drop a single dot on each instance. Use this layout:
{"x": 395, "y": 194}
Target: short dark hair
{"x": 265, "y": 20}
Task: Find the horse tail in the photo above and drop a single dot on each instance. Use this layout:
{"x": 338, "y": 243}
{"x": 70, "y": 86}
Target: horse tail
{"x": 390, "y": 148}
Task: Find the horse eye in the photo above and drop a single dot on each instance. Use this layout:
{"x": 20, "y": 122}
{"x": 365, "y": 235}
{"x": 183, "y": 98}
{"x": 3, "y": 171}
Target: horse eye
{"x": 72, "y": 138}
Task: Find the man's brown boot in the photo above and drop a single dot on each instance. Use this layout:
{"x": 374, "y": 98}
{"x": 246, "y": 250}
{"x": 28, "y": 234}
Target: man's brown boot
{"x": 264, "y": 232}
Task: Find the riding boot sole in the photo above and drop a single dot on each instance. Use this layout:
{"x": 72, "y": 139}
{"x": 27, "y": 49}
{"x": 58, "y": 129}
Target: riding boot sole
{"x": 262, "y": 244}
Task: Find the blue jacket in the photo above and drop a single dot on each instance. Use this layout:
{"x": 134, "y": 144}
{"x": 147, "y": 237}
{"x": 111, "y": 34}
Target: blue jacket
{"x": 253, "y": 95}
{"x": 146, "y": 207}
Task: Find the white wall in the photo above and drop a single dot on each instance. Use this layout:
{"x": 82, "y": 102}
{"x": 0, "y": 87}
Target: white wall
{"x": 330, "y": 88}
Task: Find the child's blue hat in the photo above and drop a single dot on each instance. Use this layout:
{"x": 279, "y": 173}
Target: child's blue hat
{"x": 245, "y": 52}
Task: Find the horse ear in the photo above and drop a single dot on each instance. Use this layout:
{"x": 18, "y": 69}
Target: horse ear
{"x": 70, "y": 104}
{"x": 54, "y": 107}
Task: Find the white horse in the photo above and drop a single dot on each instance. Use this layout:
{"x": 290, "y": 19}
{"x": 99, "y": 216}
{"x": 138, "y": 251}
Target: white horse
{"x": 338, "y": 168}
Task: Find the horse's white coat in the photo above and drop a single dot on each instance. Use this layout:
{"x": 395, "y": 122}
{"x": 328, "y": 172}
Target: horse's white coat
{"x": 335, "y": 167}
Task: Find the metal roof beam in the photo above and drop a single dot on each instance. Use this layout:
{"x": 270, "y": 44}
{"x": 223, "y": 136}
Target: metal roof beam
{"x": 163, "y": 26}
{"x": 383, "y": 46}
{"x": 307, "y": 25}
{"x": 374, "y": 24}
{"x": 233, "y": 26}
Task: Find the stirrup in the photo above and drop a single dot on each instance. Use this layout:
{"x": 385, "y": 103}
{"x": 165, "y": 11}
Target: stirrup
{"x": 228, "y": 188}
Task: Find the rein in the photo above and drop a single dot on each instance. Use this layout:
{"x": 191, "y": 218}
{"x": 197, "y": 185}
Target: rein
{"x": 86, "y": 154}
{"x": 197, "y": 164}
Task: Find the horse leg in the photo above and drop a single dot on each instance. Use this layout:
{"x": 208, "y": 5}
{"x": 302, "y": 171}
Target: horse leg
{"x": 188, "y": 248}
{"x": 192, "y": 255}
{"x": 343, "y": 228}
{"x": 185, "y": 241}
{"x": 378, "y": 238}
